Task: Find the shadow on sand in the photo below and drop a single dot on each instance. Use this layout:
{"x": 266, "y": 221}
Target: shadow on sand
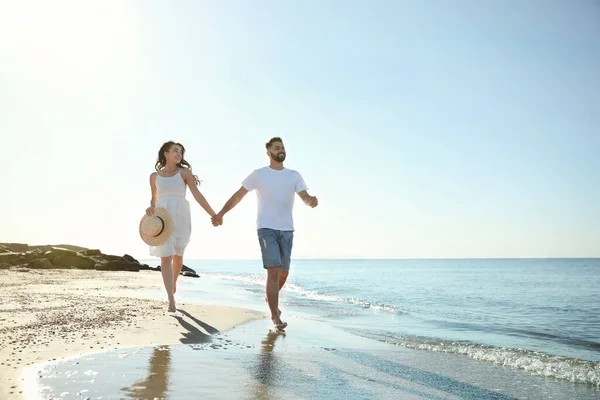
{"x": 194, "y": 334}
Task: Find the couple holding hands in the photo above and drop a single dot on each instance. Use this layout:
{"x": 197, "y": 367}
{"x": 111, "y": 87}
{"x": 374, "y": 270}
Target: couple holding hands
{"x": 167, "y": 227}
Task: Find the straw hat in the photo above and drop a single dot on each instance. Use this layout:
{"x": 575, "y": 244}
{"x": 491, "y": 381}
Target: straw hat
{"x": 156, "y": 229}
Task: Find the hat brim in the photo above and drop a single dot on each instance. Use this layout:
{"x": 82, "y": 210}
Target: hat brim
{"x": 156, "y": 240}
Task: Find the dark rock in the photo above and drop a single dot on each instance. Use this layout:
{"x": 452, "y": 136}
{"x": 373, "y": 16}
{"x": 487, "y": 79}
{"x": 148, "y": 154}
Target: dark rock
{"x": 49, "y": 255}
{"x": 108, "y": 257}
{"x": 16, "y": 247}
{"x": 47, "y": 247}
{"x": 69, "y": 258}
{"x": 190, "y": 274}
{"x": 12, "y": 258}
{"x": 34, "y": 254}
{"x": 40, "y": 263}
{"x": 61, "y": 251}
{"x": 91, "y": 252}
{"x": 66, "y": 256}
{"x": 129, "y": 258}
{"x": 4, "y": 249}
{"x": 185, "y": 268}
{"x": 118, "y": 266}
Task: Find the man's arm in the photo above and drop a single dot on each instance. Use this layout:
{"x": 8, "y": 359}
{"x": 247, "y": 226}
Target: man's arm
{"x": 232, "y": 202}
{"x": 248, "y": 185}
{"x": 309, "y": 200}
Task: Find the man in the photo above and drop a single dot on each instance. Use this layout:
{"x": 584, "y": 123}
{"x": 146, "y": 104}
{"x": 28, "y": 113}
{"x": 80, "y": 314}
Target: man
{"x": 275, "y": 188}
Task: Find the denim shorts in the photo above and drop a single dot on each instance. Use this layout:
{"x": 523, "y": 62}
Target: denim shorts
{"x": 276, "y": 247}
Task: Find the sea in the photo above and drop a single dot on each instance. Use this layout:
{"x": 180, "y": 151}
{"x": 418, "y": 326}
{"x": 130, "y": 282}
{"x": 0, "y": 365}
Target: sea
{"x": 505, "y": 328}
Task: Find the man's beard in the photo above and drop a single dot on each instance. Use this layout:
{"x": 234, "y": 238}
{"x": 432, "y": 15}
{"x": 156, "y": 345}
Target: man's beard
{"x": 280, "y": 157}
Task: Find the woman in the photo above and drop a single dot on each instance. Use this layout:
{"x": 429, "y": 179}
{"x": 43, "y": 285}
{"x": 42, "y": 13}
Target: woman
{"x": 169, "y": 183}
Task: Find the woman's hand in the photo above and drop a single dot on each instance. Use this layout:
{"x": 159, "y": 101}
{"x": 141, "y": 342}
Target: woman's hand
{"x": 150, "y": 211}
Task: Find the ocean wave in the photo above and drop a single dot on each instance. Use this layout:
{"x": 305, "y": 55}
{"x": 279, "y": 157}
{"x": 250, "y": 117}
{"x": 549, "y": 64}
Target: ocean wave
{"x": 374, "y": 306}
{"x": 251, "y": 279}
{"x": 524, "y": 331}
{"x": 536, "y": 363}
{"x": 310, "y": 294}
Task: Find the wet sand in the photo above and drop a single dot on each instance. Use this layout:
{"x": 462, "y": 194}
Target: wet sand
{"x": 48, "y": 315}
{"x": 311, "y": 360}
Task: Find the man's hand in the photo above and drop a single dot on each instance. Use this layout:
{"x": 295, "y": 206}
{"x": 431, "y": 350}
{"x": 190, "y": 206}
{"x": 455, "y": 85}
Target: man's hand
{"x": 217, "y": 220}
{"x": 309, "y": 200}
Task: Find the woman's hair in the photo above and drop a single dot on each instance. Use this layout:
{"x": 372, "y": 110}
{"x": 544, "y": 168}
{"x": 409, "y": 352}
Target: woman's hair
{"x": 161, "y": 161}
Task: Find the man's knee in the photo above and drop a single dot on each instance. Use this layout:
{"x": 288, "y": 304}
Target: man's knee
{"x": 273, "y": 273}
{"x": 283, "y": 274}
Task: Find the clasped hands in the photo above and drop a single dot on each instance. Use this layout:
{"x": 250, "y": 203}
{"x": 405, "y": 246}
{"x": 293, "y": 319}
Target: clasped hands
{"x": 217, "y": 220}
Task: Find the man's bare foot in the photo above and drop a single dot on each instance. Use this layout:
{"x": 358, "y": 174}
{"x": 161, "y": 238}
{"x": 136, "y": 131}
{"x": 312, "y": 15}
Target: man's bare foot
{"x": 279, "y": 324}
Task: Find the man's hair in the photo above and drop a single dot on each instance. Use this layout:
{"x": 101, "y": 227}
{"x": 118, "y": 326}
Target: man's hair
{"x": 273, "y": 140}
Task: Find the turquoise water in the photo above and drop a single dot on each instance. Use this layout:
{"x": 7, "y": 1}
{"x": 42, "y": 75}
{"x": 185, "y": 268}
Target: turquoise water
{"x": 542, "y": 315}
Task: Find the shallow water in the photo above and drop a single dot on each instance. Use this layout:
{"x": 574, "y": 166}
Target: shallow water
{"x": 310, "y": 361}
{"x": 411, "y": 328}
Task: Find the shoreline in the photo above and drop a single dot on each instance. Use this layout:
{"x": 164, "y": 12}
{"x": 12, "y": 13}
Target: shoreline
{"x": 51, "y": 315}
{"x": 126, "y": 342}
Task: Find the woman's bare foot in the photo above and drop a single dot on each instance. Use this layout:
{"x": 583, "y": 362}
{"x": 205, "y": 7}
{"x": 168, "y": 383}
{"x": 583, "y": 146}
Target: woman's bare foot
{"x": 172, "y": 307}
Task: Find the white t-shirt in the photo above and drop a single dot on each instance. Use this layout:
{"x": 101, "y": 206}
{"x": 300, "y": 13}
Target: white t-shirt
{"x": 275, "y": 191}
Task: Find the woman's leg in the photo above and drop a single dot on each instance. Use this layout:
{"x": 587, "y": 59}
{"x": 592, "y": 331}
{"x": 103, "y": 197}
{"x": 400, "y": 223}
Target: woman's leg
{"x": 177, "y": 265}
{"x": 166, "y": 270}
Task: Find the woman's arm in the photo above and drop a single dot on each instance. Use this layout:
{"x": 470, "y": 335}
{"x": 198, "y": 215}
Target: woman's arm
{"x": 188, "y": 178}
{"x": 150, "y": 210}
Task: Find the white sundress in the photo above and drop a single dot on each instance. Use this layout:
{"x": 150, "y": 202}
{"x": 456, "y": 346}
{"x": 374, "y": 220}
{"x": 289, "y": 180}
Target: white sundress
{"x": 171, "y": 193}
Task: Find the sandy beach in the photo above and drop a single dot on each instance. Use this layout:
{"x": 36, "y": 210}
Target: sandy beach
{"x": 54, "y": 314}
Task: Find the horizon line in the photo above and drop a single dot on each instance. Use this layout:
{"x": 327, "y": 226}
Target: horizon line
{"x": 394, "y": 259}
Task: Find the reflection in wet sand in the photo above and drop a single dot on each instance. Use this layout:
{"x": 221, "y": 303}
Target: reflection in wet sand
{"x": 155, "y": 386}
{"x": 266, "y": 371}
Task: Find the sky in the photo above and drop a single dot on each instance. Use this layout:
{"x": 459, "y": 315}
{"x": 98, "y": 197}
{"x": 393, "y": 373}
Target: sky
{"x": 427, "y": 129}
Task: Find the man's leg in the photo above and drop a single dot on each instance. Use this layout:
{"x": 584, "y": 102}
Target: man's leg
{"x": 269, "y": 246}
{"x": 283, "y": 274}
{"x": 177, "y": 265}
{"x": 286, "y": 242}
{"x": 272, "y": 290}
{"x": 286, "y": 239}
